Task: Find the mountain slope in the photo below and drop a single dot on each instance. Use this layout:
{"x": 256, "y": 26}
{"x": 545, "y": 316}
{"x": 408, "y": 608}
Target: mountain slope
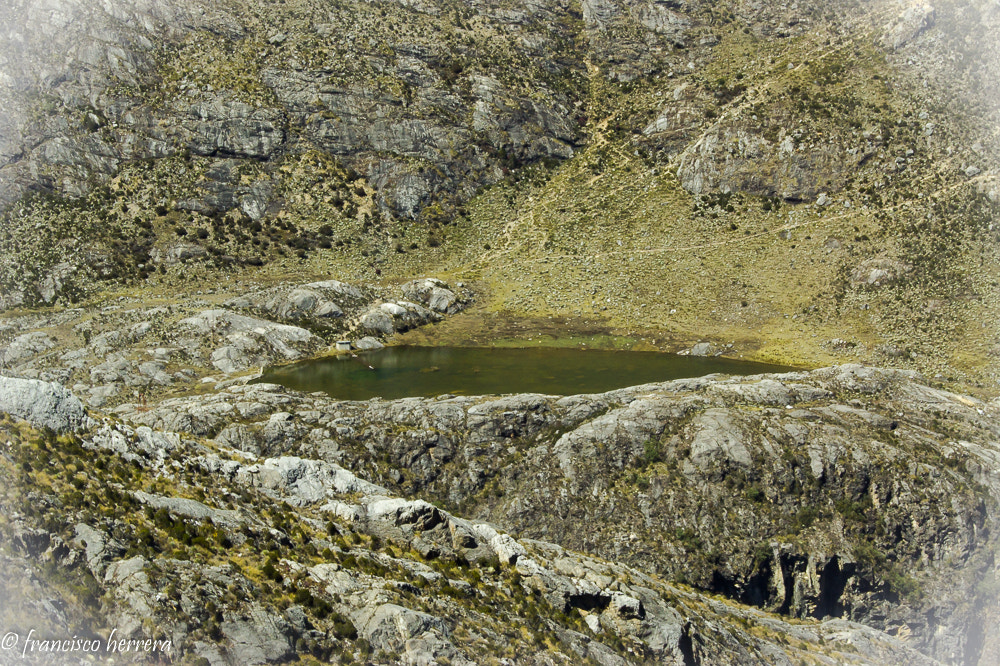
{"x": 694, "y": 170}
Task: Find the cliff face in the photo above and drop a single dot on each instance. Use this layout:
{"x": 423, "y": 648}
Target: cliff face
{"x": 428, "y": 103}
{"x": 862, "y": 502}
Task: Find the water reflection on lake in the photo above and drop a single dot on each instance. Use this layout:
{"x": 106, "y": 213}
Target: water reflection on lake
{"x": 430, "y": 371}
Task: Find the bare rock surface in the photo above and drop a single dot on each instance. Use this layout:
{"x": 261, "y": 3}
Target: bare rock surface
{"x": 251, "y": 342}
{"x": 43, "y": 404}
{"x": 806, "y": 454}
{"x": 372, "y": 570}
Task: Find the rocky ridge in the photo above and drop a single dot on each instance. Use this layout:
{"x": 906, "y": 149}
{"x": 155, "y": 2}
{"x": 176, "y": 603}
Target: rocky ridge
{"x": 846, "y": 492}
{"x": 241, "y": 557}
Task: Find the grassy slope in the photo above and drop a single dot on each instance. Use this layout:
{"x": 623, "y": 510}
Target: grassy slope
{"x": 612, "y": 235}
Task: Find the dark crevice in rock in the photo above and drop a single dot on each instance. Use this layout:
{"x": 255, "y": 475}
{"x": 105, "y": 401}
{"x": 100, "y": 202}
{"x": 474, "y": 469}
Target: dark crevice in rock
{"x": 833, "y": 579}
{"x": 686, "y": 647}
{"x": 757, "y": 590}
{"x": 589, "y": 602}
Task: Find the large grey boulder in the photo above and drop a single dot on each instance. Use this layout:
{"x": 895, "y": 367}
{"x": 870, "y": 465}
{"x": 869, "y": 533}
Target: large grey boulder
{"x": 250, "y": 341}
{"x": 25, "y": 346}
{"x": 100, "y": 548}
{"x": 389, "y": 627}
{"x": 419, "y": 514}
{"x": 432, "y": 293}
{"x": 42, "y": 404}
{"x": 388, "y": 318}
{"x": 367, "y": 343}
{"x": 258, "y": 637}
{"x": 301, "y": 303}
{"x": 377, "y": 322}
{"x": 301, "y": 482}
{"x": 189, "y": 508}
{"x": 133, "y": 591}
{"x": 320, "y": 302}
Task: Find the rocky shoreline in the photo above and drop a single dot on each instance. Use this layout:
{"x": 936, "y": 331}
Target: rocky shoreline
{"x": 114, "y": 353}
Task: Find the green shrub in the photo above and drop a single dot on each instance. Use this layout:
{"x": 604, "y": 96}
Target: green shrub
{"x": 805, "y": 517}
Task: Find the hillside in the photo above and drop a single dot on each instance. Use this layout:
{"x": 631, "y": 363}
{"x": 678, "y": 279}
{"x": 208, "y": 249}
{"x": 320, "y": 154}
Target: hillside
{"x": 810, "y": 185}
{"x": 656, "y": 525}
{"x": 192, "y": 191}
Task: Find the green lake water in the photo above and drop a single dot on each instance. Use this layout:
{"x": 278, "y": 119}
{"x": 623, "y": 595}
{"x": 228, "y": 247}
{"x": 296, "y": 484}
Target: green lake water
{"x": 430, "y": 371}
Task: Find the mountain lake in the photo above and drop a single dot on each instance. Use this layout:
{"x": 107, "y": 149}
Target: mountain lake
{"x": 399, "y": 372}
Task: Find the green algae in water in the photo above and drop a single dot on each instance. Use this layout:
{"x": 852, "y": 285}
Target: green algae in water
{"x": 401, "y": 372}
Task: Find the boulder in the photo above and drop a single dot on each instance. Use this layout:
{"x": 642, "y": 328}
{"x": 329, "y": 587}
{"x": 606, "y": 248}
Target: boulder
{"x": 702, "y": 349}
{"x": 25, "y": 346}
{"x": 417, "y": 513}
{"x": 100, "y": 548}
{"x": 300, "y": 303}
{"x": 42, "y": 404}
{"x": 387, "y": 318}
{"x": 432, "y": 293}
{"x": 388, "y": 626}
{"x": 189, "y": 508}
{"x": 367, "y": 343}
{"x": 627, "y": 607}
{"x": 252, "y": 342}
{"x": 301, "y": 481}
{"x": 718, "y": 439}
{"x": 377, "y": 322}
{"x": 506, "y": 548}
{"x": 258, "y": 637}
{"x": 879, "y": 271}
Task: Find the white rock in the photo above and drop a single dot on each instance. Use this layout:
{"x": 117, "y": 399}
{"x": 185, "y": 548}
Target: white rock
{"x": 42, "y": 404}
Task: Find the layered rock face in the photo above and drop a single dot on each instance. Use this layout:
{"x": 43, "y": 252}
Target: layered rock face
{"x": 884, "y": 555}
{"x": 208, "y": 110}
{"x": 391, "y": 101}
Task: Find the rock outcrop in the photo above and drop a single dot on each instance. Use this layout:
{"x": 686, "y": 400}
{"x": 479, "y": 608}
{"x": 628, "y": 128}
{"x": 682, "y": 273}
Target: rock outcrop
{"x": 846, "y": 492}
{"x": 370, "y": 572}
{"x": 252, "y": 342}
{"x": 434, "y": 294}
{"x": 42, "y": 404}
